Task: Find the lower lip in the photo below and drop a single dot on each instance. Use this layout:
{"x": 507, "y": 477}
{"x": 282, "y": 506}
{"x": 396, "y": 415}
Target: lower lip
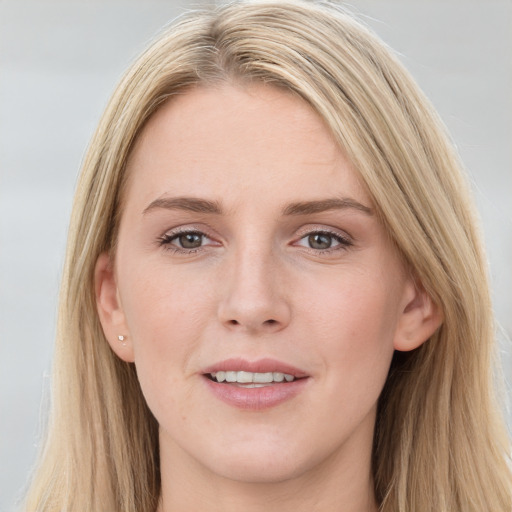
{"x": 256, "y": 398}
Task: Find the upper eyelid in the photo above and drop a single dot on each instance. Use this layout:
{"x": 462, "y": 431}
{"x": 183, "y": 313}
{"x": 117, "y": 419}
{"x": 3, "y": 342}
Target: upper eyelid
{"x": 303, "y": 231}
{"x": 172, "y": 235}
{"x": 189, "y": 228}
{"x": 343, "y": 241}
{"x": 307, "y": 230}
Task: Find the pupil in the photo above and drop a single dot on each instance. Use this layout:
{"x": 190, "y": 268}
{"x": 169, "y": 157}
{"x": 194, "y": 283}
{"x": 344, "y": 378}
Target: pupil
{"x": 190, "y": 240}
{"x": 320, "y": 241}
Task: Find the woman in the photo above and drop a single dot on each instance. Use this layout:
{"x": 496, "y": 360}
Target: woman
{"x": 275, "y": 296}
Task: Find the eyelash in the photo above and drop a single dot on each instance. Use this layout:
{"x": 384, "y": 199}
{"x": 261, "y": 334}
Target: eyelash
{"x": 166, "y": 241}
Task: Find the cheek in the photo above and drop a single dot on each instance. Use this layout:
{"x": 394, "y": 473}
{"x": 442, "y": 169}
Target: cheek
{"x": 165, "y": 315}
{"x": 355, "y": 303}
{"x": 355, "y": 322}
{"x": 159, "y": 302}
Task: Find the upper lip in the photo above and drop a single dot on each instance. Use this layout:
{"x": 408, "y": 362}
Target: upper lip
{"x": 265, "y": 365}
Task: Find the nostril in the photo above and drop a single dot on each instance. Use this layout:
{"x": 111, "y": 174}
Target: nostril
{"x": 271, "y": 321}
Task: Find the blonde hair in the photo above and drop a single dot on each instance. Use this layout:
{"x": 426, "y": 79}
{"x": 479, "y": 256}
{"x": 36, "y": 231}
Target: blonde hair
{"x": 440, "y": 444}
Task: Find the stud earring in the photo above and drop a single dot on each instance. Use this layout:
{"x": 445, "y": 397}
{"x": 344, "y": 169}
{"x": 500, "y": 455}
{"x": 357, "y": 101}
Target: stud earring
{"x": 121, "y": 338}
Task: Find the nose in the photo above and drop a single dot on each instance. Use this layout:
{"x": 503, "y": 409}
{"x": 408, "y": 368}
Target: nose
{"x": 253, "y": 294}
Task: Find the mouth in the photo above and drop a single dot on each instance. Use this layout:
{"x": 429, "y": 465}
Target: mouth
{"x": 255, "y": 385}
{"x": 250, "y": 379}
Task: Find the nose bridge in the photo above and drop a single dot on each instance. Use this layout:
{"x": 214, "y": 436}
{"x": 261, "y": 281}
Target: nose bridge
{"x": 253, "y": 299}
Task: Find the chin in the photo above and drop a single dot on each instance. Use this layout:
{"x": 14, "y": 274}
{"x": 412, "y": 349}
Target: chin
{"x": 262, "y": 463}
{"x": 260, "y": 472}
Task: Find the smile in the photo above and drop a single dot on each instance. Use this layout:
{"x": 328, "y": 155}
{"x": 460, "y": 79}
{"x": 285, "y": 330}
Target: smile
{"x": 254, "y": 385}
{"x": 251, "y": 379}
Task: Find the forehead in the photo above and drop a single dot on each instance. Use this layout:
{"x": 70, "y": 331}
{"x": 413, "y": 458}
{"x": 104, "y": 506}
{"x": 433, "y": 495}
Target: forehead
{"x": 227, "y": 140}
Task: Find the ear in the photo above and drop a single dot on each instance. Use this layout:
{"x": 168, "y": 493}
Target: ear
{"x": 419, "y": 319}
{"x": 110, "y": 310}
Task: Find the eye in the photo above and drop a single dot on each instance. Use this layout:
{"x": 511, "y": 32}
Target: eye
{"x": 320, "y": 241}
{"x": 184, "y": 241}
{"x": 323, "y": 241}
{"x": 189, "y": 240}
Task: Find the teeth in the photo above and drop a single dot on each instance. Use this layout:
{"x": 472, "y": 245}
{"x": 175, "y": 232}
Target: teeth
{"x": 244, "y": 377}
{"x": 263, "y": 378}
{"x": 252, "y": 377}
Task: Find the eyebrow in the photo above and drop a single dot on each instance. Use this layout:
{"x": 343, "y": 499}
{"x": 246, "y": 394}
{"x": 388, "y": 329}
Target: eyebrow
{"x": 324, "y": 205}
{"x": 190, "y": 204}
{"x": 197, "y": 205}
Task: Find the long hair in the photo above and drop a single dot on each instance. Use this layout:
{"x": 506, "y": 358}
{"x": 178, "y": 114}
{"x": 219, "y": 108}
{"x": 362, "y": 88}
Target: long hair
{"x": 440, "y": 443}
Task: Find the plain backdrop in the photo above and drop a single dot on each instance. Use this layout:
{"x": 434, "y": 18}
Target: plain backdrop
{"x": 59, "y": 62}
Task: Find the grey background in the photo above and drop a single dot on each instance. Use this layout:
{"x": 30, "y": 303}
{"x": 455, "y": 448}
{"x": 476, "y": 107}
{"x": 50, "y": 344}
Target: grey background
{"x": 59, "y": 62}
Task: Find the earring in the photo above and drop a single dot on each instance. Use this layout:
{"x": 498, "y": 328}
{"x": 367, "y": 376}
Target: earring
{"x": 121, "y": 338}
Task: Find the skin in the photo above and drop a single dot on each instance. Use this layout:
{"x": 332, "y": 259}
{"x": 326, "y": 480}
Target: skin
{"x": 257, "y": 285}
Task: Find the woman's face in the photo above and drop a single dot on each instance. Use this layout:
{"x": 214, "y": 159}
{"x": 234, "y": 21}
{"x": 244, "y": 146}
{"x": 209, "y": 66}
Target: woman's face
{"x": 249, "y": 250}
